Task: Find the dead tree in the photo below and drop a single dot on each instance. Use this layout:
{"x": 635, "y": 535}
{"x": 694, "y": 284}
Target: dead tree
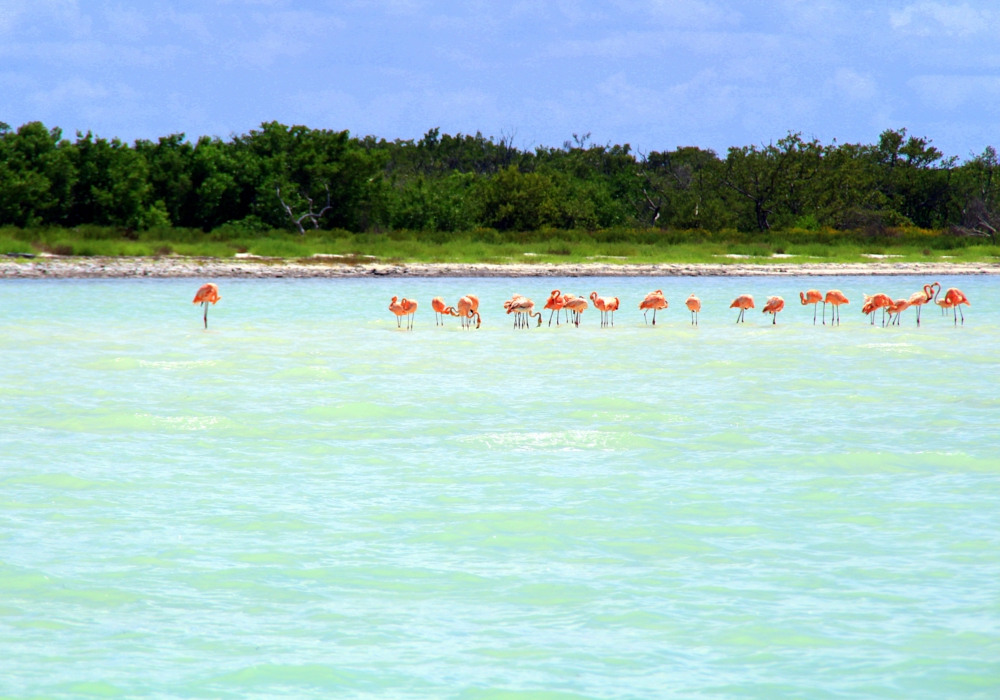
{"x": 313, "y": 216}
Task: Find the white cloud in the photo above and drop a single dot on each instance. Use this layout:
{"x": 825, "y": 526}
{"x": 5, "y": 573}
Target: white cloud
{"x": 951, "y": 92}
{"x": 853, "y": 85}
{"x": 930, "y": 18}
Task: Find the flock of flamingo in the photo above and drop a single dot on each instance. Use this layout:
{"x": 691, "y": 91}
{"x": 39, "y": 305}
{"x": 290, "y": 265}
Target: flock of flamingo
{"x": 523, "y": 308}
{"x": 573, "y": 306}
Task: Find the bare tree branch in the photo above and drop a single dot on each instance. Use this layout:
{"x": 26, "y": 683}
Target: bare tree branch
{"x": 313, "y": 216}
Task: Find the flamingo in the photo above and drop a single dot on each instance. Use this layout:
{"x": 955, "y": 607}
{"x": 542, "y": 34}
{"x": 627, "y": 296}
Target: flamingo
{"x": 955, "y": 298}
{"x": 397, "y": 308}
{"x": 694, "y": 306}
{"x": 814, "y": 297}
{"x": 576, "y": 305}
{"x": 467, "y": 309}
{"x": 607, "y": 307}
{"x": 742, "y": 302}
{"x": 836, "y": 298}
{"x": 655, "y": 301}
{"x": 897, "y": 307}
{"x": 206, "y": 294}
{"x": 929, "y": 293}
{"x": 875, "y": 302}
{"x": 566, "y": 299}
{"x": 773, "y": 306}
{"x": 944, "y": 304}
{"x": 519, "y": 306}
{"x": 409, "y": 309}
{"x": 555, "y": 303}
{"x": 440, "y": 310}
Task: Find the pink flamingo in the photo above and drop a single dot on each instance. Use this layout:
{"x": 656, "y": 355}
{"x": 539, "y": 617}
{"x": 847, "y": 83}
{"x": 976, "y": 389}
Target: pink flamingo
{"x": 742, "y": 302}
{"x": 773, "y": 306}
{"x": 607, "y": 307}
{"x": 955, "y": 298}
{"x": 694, "y": 306}
{"x": 926, "y": 296}
{"x": 206, "y": 294}
{"x": 655, "y": 301}
{"x": 814, "y": 297}
{"x": 836, "y": 298}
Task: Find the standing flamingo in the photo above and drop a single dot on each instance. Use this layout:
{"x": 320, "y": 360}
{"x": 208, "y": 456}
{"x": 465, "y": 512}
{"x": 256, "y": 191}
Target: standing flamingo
{"x": 742, "y": 302}
{"x": 897, "y": 307}
{"x": 440, "y": 310}
{"x": 694, "y": 306}
{"x": 874, "y": 303}
{"x": 397, "y": 308}
{"x": 607, "y": 306}
{"x": 955, "y": 298}
{"x": 814, "y": 297}
{"x": 410, "y": 309}
{"x": 521, "y": 306}
{"x": 836, "y": 298}
{"x": 929, "y": 293}
{"x": 655, "y": 301}
{"x": 206, "y": 294}
{"x": 467, "y": 310}
{"x": 773, "y": 306}
{"x": 555, "y": 303}
{"x": 576, "y": 306}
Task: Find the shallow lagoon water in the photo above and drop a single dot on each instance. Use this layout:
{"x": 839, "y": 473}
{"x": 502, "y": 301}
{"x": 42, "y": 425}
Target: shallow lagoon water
{"x": 304, "y": 501}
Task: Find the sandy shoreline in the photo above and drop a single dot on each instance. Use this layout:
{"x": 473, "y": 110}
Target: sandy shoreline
{"x": 169, "y": 267}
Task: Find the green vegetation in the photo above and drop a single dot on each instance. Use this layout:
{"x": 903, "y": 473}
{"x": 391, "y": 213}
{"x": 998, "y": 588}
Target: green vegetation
{"x": 617, "y": 245}
{"x": 294, "y": 192}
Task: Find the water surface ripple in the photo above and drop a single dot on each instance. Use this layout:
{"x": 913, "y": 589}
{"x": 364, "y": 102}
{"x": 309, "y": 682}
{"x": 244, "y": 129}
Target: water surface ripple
{"x": 305, "y": 502}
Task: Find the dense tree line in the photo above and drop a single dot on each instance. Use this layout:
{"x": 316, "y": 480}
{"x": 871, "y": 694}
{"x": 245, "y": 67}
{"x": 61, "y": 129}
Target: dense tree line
{"x": 295, "y": 177}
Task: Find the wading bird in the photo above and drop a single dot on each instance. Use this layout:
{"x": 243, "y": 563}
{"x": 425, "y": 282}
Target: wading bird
{"x": 607, "y": 306}
{"x": 655, "y": 301}
{"x": 555, "y": 303}
{"x": 694, "y": 306}
{"x": 576, "y": 306}
{"x": 928, "y": 295}
{"x": 742, "y": 302}
{"x": 403, "y": 307}
{"x": 206, "y": 294}
{"x": 523, "y": 310}
{"x": 897, "y": 307}
{"x": 814, "y": 297}
{"x": 835, "y": 297}
{"x": 467, "y": 310}
{"x": 955, "y": 298}
{"x": 440, "y": 310}
{"x": 773, "y": 306}
{"x": 874, "y": 303}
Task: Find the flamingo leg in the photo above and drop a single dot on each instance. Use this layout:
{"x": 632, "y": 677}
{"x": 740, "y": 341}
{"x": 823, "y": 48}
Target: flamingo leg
{"x": 814, "y": 313}
{"x": 654, "y": 317}
{"x": 205, "y": 304}
{"x": 644, "y": 318}
{"x": 962, "y": 314}
{"x": 824, "y": 314}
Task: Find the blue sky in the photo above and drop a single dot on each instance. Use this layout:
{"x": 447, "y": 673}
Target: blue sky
{"x": 653, "y": 73}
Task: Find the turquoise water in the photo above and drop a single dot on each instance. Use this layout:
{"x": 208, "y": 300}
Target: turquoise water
{"x": 306, "y": 502}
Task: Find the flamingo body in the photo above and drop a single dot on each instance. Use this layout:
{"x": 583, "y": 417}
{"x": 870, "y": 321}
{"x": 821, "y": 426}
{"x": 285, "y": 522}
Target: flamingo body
{"x": 836, "y": 298}
{"x": 654, "y": 301}
{"x": 206, "y": 294}
{"x": 773, "y": 306}
{"x": 742, "y": 302}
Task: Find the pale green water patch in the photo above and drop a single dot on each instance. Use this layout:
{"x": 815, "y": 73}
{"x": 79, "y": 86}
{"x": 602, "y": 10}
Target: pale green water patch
{"x": 306, "y": 502}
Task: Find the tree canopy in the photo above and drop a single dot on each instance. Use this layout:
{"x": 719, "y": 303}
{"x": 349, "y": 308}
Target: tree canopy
{"x": 280, "y": 176}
